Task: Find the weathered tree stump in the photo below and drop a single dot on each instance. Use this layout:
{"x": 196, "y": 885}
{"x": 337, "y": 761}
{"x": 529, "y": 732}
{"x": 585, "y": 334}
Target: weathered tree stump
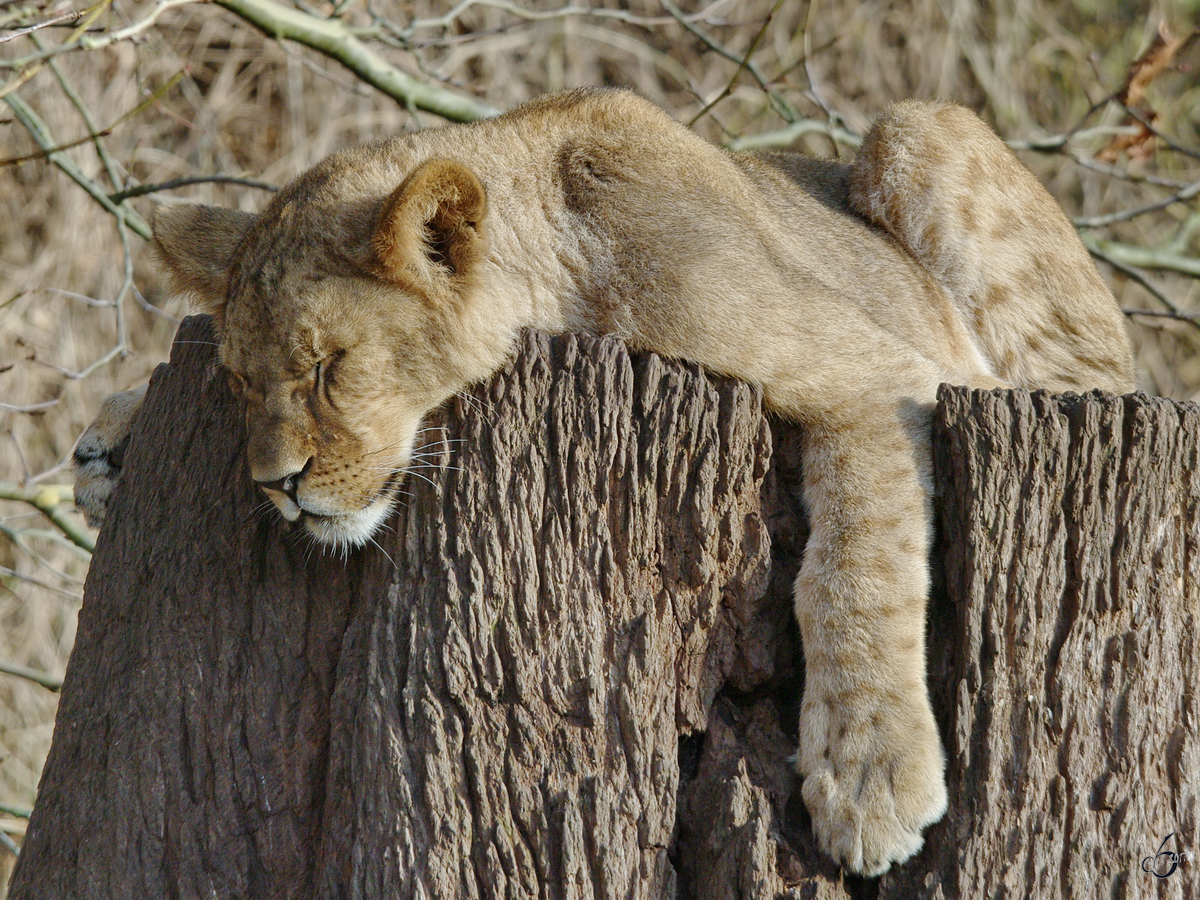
{"x": 570, "y": 667}
{"x": 1066, "y": 670}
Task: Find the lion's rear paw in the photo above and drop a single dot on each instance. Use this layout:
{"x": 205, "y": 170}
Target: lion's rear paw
{"x": 872, "y": 781}
{"x": 100, "y": 453}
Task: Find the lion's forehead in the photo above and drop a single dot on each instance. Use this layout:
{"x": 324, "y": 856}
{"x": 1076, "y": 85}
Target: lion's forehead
{"x": 296, "y": 324}
{"x": 269, "y": 346}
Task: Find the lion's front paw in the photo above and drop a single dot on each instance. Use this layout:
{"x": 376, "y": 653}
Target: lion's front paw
{"x": 873, "y": 778}
{"x": 100, "y": 453}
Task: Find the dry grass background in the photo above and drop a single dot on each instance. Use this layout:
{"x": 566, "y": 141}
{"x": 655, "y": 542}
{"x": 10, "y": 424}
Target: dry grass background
{"x": 247, "y": 105}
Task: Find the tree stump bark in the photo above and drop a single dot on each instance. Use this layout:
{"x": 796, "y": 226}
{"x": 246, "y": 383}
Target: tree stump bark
{"x": 1071, "y": 546}
{"x": 570, "y": 669}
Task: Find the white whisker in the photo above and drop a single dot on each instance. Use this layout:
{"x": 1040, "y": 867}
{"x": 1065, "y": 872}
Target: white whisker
{"x": 423, "y": 478}
{"x": 439, "y": 467}
{"x": 384, "y": 552}
{"x": 483, "y": 407}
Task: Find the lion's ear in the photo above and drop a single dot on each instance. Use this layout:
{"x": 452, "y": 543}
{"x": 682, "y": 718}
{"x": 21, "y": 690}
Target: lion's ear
{"x": 195, "y": 245}
{"x": 431, "y": 234}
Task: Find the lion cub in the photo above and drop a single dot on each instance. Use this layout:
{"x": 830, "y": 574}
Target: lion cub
{"x": 391, "y": 275}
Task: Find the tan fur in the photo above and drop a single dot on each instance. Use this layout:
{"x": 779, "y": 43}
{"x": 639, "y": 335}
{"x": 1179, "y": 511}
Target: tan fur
{"x": 394, "y": 274}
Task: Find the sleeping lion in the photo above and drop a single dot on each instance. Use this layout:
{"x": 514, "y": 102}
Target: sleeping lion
{"x": 394, "y": 274}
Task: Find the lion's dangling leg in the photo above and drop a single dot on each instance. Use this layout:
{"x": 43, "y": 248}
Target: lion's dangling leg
{"x": 937, "y": 178}
{"x": 869, "y": 748}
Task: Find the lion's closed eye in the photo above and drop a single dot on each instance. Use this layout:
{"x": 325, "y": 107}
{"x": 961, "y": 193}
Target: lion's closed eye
{"x": 325, "y": 375}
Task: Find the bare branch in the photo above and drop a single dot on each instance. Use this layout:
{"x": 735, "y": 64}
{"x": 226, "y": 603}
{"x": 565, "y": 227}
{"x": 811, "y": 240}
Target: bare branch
{"x": 79, "y": 374}
{"x": 745, "y": 63}
{"x": 88, "y": 42}
{"x": 70, "y": 16}
{"x": 46, "y": 680}
{"x": 1056, "y": 142}
{"x": 62, "y": 465}
{"x": 152, "y": 309}
{"x": 81, "y": 298}
{"x": 1148, "y": 123}
{"x": 1143, "y": 257}
{"x": 41, "y": 134}
{"x": 1192, "y": 318}
{"x": 451, "y": 18}
{"x": 18, "y": 812}
{"x": 49, "y": 500}
{"x": 23, "y": 536}
{"x": 337, "y": 41}
{"x": 45, "y": 585}
{"x": 1129, "y": 260}
{"x": 1186, "y": 193}
{"x": 9, "y": 844}
{"x": 32, "y": 63}
{"x": 110, "y": 165}
{"x": 1137, "y": 276}
{"x": 1122, "y": 174}
{"x": 31, "y": 408}
{"x": 787, "y": 136}
{"x": 93, "y": 135}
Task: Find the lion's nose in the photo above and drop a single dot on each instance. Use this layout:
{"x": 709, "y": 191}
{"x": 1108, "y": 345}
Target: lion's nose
{"x": 285, "y": 485}
{"x": 288, "y": 485}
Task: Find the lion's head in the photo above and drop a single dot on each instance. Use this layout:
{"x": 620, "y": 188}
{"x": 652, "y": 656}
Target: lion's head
{"x": 345, "y": 315}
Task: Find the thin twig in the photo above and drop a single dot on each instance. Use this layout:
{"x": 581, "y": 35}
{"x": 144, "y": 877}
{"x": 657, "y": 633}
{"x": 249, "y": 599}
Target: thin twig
{"x": 152, "y": 309}
{"x": 1055, "y": 142}
{"x": 126, "y": 287}
{"x": 44, "y": 585}
{"x": 88, "y": 42}
{"x": 110, "y": 165}
{"x": 530, "y": 15}
{"x": 41, "y": 135}
{"x": 747, "y": 65}
{"x": 78, "y": 375}
{"x": 60, "y": 466}
{"x": 1170, "y": 142}
{"x": 1125, "y": 215}
{"x": 10, "y": 845}
{"x": 334, "y": 39}
{"x": 814, "y": 90}
{"x": 1138, "y": 277}
{"x": 81, "y": 298}
{"x": 49, "y": 500}
{"x": 1094, "y": 165}
{"x": 1163, "y": 314}
{"x": 19, "y": 812}
{"x": 31, "y": 408}
{"x": 743, "y": 60}
{"x": 786, "y": 137}
{"x": 1144, "y": 257}
{"x": 93, "y": 134}
{"x": 1092, "y": 110}
{"x": 45, "y": 679}
{"x": 71, "y": 16}
{"x": 32, "y": 64}
{"x": 22, "y": 537}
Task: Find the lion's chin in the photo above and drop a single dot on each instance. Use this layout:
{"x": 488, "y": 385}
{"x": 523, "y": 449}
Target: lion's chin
{"x": 348, "y": 531}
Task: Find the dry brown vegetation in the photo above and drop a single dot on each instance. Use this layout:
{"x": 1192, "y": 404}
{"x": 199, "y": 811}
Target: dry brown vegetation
{"x": 198, "y": 91}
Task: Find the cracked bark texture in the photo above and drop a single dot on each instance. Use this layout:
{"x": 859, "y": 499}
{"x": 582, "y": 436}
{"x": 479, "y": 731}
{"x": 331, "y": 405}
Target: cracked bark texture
{"x": 1067, "y": 676}
{"x": 570, "y": 669}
